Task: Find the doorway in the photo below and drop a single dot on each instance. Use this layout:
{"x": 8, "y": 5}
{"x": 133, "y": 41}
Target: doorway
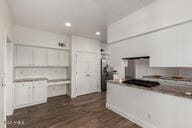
{"x": 87, "y": 74}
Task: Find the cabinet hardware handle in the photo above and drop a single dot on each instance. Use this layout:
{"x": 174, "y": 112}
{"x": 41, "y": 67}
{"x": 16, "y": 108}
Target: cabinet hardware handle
{"x": 3, "y": 85}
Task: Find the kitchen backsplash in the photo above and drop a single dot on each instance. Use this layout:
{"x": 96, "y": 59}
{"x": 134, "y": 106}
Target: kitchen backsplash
{"x": 50, "y": 73}
{"x": 140, "y": 68}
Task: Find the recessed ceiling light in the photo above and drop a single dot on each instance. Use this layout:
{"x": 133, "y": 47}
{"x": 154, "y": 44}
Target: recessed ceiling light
{"x": 98, "y": 33}
{"x": 68, "y": 24}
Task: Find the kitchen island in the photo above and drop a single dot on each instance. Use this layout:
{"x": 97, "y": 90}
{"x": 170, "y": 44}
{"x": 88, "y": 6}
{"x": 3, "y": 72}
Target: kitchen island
{"x": 157, "y": 107}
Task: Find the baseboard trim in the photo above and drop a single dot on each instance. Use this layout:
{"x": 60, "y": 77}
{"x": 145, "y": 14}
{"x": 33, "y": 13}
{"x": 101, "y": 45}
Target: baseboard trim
{"x": 130, "y": 117}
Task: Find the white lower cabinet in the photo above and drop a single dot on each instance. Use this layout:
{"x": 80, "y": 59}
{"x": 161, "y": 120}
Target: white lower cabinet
{"x": 30, "y": 93}
{"x": 23, "y": 94}
{"x": 39, "y": 92}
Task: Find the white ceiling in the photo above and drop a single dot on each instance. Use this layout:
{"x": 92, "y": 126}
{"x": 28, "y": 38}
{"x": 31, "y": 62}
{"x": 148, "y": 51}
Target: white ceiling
{"x": 86, "y": 16}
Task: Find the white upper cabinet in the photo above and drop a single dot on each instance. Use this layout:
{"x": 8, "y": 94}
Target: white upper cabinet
{"x": 39, "y": 57}
{"x": 63, "y": 58}
{"x": 184, "y": 58}
{"x": 52, "y": 57}
{"x": 24, "y": 56}
{"x": 28, "y": 56}
{"x": 163, "y": 52}
{"x": 169, "y": 47}
{"x": 135, "y": 47}
{"x": 172, "y": 47}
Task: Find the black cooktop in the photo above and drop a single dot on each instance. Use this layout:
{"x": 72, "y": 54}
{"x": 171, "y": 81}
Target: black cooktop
{"x": 143, "y": 83}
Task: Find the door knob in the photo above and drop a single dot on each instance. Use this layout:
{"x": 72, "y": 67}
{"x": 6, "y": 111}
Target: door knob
{"x": 87, "y": 75}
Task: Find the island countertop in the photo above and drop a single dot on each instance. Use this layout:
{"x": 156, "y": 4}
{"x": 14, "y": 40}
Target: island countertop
{"x": 179, "y": 91}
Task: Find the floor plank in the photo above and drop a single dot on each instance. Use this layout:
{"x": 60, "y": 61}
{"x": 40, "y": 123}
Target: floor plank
{"x": 87, "y": 111}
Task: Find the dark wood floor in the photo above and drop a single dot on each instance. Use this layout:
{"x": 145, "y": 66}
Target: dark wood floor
{"x": 87, "y": 111}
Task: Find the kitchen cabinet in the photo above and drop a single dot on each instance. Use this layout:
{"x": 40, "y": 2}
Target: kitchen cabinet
{"x": 24, "y": 56}
{"x": 63, "y": 58}
{"x": 52, "y": 57}
{"x": 39, "y": 91}
{"x": 28, "y": 56}
{"x": 184, "y": 45}
{"x": 39, "y": 56}
{"x": 135, "y": 47}
{"x": 172, "y": 47}
{"x": 163, "y": 52}
{"x": 23, "y": 94}
{"x": 30, "y": 93}
{"x": 149, "y": 109}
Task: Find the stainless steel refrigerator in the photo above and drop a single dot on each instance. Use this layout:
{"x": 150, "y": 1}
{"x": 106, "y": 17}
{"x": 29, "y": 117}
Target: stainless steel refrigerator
{"x": 106, "y": 73}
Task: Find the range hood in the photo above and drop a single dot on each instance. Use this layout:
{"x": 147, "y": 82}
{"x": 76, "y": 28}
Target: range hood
{"x": 134, "y": 58}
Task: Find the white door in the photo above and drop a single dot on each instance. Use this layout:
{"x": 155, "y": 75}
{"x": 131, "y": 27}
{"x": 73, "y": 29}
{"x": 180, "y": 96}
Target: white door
{"x": 23, "y": 56}
{"x": 23, "y": 94}
{"x": 39, "y": 91}
{"x": 52, "y": 57}
{"x": 86, "y": 79}
{"x": 2, "y": 89}
{"x": 39, "y": 57}
{"x": 93, "y": 71}
{"x": 63, "y": 58}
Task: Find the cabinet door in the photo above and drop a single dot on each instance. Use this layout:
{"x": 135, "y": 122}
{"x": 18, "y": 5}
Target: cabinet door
{"x": 163, "y": 52}
{"x": 23, "y": 94}
{"x": 23, "y": 56}
{"x": 93, "y": 71}
{"x": 39, "y": 57}
{"x": 39, "y": 91}
{"x": 52, "y": 57}
{"x": 184, "y": 49}
{"x": 63, "y": 58}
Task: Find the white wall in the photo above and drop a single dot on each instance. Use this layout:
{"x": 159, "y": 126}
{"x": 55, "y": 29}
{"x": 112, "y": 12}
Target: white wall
{"x": 6, "y": 19}
{"x": 84, "y": 45}
{"x": 106, "y": 48}
{"x": 159, "y": 14}
{"x": 35, "y": 37}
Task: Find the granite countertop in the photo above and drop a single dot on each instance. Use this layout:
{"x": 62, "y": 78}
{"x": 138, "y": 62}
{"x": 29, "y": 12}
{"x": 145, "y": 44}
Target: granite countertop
{"x": 169, "y": 78}
{"x": 180, "y": 91}
{"x": 30, "y": 79}
{"x": 39, "y": 79}
{"x": 57, "y": 80}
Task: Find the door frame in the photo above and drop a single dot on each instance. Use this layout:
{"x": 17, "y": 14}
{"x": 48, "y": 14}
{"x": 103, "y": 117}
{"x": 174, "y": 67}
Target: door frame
{"x": 3, "y": 74}
{"x": 76, "y": 54}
